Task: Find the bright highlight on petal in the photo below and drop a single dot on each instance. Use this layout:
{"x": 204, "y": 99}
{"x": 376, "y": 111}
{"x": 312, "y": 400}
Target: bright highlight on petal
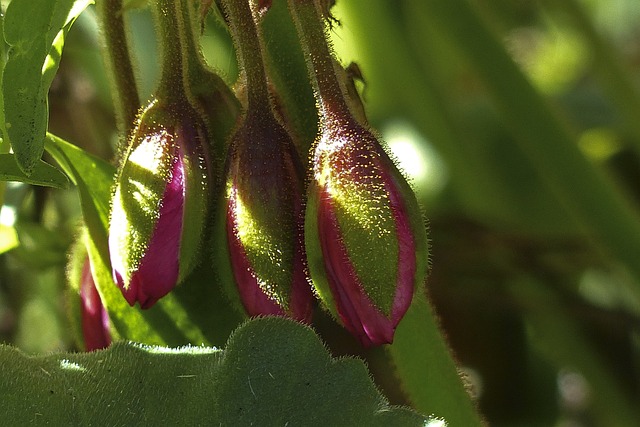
{"x": 162, "y": 179}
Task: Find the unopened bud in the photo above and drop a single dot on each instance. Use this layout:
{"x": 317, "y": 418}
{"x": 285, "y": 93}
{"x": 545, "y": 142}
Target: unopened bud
{"x": 365, "y": 237}
{"x": 160, "y": 202}
{"x": 264, "y": 220}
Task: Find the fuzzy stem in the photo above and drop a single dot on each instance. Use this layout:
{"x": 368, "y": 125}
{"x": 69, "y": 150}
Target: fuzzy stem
{"x": 328, "y": 91}
{"x": 249, "y": 50}
{"x": 193, "y": 57}
{"x": 125, "y": 92}
{"x": 170, "y": 27}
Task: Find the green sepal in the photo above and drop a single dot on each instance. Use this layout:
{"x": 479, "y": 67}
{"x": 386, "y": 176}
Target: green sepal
{"x": 196, "y": 204}
{"x": 315, "y": 260}
{"x": 221, "y": 256}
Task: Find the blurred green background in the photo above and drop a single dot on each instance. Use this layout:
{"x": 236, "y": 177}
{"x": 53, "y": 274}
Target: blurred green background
{"x": 538, "y": 296}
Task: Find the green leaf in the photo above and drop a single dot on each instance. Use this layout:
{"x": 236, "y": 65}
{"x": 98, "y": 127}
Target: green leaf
{"x": 426, "y": 370}
{"x": 43, "y": 173}
{"x": 93, "y": 177}
{"x": 35, "y": 30}
{"x": 272, "y": 372}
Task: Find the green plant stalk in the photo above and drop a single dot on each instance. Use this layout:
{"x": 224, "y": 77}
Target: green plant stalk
{"x": 249, "y": 51}
{"x": 288, "y": 73}
{"x": 329, "y": 93}
{"x": 594, "y": 201}
{"x": 197, "y": 73}
{"x": 192, "y": 55}
{"x": 116, "y": 53}
{"x": 608, "y": 68}
{"x": 428, "y": 373}
{"x": 170, "y": 27}
{"x": 206, "y": 90}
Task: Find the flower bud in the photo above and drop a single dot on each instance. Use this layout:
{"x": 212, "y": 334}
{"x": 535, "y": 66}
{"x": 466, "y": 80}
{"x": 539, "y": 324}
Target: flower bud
{"x": 95, "y": 319}
{"x": 160, "y": 202}
{"x": 264, "y": 220}
{"x": 365, "y": 237}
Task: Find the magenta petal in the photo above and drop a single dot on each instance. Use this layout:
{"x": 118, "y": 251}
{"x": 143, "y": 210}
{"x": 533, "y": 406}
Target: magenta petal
{"x": 355, "y": 308}
{"x": 407, "y": 263}
{"x": 95, "y": 319}
{"x": 158, "y": 271}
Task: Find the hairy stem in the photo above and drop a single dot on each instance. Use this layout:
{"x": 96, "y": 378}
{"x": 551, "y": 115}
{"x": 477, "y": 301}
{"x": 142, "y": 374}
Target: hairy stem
{"x": 313, "y": 35}
{"x": 170, "y": 27}
{"x": 125, "y": 92}
{"x": 249, "y": 50}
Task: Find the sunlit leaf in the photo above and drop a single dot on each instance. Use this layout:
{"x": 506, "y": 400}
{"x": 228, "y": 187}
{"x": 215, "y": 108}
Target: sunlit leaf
{"x": 35, "y": 31}
{"x": 273, "y": 372}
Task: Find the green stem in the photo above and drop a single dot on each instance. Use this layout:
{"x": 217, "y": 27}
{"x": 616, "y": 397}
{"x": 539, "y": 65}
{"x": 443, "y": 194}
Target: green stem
{"x": 314, "y": 38}
{"x": 193, "y": 57}
{"x": 249, "y": 51}
{"x": 170, "y": 26}
{"x": 125, "y": 93}
{"x": 426, "y": 369}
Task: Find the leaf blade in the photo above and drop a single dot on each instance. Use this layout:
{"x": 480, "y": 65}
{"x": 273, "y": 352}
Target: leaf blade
{"x": 35, "y": 30}
{"x": 198, "y": 385}
{"x": 43, "y": 173}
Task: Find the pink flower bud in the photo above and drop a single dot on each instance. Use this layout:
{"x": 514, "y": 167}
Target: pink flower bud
{"x": 95, "y": 319}
{"x": 264, "y": 221}
{"x": 160, "y": 203}
{"x": 365, "y": 232}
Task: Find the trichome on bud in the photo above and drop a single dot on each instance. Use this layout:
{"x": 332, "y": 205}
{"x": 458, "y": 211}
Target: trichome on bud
{"x": 365, "y": 238}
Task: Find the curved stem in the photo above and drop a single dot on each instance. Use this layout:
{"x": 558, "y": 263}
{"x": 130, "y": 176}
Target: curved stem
{"x": 193, "y": 57}
{"x": 249, "y": 50}
{"x": 125, "y": 92}
{"x": 170, "y": 27}
{"x": 312, "y": 32}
